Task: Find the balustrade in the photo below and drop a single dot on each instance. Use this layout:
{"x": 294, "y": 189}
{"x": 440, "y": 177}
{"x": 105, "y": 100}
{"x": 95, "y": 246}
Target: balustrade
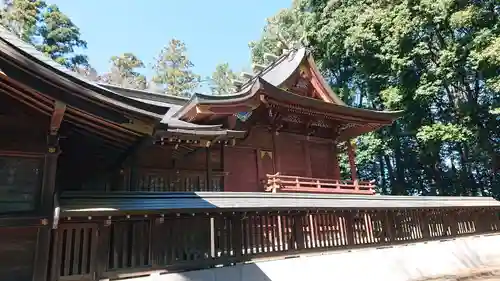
{"x": 118, "y": 247}
{"x": 178, "y": 180}
{"x": 284, "y": 183}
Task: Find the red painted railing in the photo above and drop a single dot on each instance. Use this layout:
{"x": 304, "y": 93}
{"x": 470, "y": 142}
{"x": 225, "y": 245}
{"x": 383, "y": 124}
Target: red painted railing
{"x": 283, "y": 183}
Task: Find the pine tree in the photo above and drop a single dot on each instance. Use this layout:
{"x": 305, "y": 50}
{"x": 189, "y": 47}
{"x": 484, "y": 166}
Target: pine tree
{"x": 173, "y": 70}
{"x": 59, "y": 38}
{"x": 124, "y": 72}
{"x": 221, "y": 82}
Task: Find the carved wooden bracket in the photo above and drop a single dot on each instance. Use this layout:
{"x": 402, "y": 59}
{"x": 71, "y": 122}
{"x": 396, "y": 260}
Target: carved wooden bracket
{"x": 275, "y": 119}
{"x": 57, "y": 117}
{"x": 310, "y": 130}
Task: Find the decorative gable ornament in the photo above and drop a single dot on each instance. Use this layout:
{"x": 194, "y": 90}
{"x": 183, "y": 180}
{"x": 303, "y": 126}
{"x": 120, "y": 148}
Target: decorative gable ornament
{"x": 264, "y": 153}
{"x": 243, "y": 116}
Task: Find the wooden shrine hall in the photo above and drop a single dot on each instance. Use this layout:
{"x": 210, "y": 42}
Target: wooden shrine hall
{"x": 242, "y": 141}
{"x": 104, "y": 182}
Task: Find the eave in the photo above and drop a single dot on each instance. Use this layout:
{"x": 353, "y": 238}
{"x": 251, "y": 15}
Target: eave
{"x": 84, "y": 204}
{"x": 262, "y": 92}
{"x": 270, "y": 88}
{"x": 174, "y": 129}
{"x": 20, "y": 60}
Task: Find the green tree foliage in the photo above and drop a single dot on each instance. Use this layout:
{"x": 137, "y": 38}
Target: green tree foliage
{"x": 21, "y": 17}
{"x": 124, "y": 72}
{"x": 60, "y": 37}
{"x": 221, "y": 82}
{"x": 437, "y": 60}
{"x": 46, "y": 27}
{"x": 173, "y": 70}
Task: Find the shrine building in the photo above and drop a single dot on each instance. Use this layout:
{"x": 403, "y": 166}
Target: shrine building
{"x": 103, "y": 182}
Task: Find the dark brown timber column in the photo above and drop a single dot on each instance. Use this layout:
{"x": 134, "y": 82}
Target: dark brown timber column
{"x": 47, "y": 194}
{"x": 208, "y": 161}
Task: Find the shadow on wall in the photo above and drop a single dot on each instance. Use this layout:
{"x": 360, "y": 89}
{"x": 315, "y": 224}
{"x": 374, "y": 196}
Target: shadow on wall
{"x": 415, "y": 261}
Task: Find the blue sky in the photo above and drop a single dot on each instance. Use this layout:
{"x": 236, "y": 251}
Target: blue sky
{"x": 214, "y": 31}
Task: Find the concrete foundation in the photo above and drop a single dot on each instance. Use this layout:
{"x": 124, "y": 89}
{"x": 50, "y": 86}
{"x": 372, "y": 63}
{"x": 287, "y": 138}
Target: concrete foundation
{"x": 398, "y": 263}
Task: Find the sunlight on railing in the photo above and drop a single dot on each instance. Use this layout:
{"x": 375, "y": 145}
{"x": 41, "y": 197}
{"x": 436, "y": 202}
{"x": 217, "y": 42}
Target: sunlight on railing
{"x": 285, "y": 183}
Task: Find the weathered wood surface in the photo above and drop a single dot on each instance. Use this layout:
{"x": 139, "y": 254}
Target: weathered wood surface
{"x": 17, "y": 252}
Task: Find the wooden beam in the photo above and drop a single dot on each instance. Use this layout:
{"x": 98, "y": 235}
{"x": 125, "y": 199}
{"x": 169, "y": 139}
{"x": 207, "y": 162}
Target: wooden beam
{"x": 95, "y": 122}
{"x": 90, "y": 131}
{"x": 96, "y": 139}
{"x": 29, "y": 101}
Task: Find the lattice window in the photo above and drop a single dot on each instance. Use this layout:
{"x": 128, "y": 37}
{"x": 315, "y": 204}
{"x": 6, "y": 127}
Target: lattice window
{"x": 74, "y": 252}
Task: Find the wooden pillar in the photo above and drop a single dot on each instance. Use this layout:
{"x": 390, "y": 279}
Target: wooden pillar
{"x": 450, "y": 222}
{"x": 298, "y": 230}
{"x": 103, "y": 246}
{"x": 47, "y": 193}
{"x": 223, "y": 167}
{"x": 307, "y": 158}
{"x": 352, "y": 160}
{"x": 424, "y": 216}
{"x": 336, "y": 165}
{"x": 41, "y": 265}
{"x": 209, "y": 169}
{"x": 389, "y": 226}
{"x": 237, "y": 233}
{"x": 368, "y": 226}
{"x": 49, "y": 174}
{"x": 350, "y": 229}
{"x": 277, "y": 162}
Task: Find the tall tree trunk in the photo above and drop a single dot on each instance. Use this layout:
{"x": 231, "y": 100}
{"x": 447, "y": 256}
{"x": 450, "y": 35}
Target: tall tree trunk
{"x": 383, "y": 181}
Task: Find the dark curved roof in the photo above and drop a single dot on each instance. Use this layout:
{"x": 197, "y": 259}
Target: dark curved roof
{"x": 174, "y": 126}
{"x": 26, "y": 55}
{"x": 311, "y": 103}
{"x": 167, "y": 110}
{"x": 275, "y": 73}
{"x": 261, "y": 86}
{"x": 156, "y": 108}
{"x": 148, "y": 97}
{"x": 269, "y": 81}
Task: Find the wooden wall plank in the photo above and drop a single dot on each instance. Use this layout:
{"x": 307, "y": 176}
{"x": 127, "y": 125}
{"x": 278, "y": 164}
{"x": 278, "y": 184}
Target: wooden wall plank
{"x": 241, "y": 166}
{"x": 17, "y": 253}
